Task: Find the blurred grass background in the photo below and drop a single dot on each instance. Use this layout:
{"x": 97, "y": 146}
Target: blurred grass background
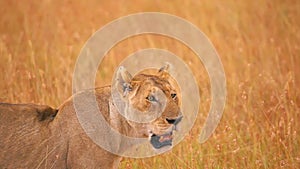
{"x": 258, "y": 42}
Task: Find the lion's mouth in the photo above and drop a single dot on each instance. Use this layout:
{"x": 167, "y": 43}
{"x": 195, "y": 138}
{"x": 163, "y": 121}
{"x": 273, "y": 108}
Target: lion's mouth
{"x": 159, "y": 141}
{"x": 163, "y": 140}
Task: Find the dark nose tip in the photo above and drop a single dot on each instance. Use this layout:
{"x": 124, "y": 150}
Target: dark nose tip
{"x": 174, "y": 121}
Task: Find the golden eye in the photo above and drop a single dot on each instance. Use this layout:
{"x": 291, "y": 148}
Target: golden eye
{"x": 151, "y": 98}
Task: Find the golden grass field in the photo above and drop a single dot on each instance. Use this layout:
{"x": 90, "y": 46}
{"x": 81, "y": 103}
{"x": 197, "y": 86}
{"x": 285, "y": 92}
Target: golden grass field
{"x": 258, "y": 43}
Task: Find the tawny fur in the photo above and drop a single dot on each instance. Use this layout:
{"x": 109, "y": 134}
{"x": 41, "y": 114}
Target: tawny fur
{"x": 35, "y": 136}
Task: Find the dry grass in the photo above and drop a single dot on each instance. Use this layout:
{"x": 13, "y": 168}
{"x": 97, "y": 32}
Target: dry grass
{"x": 258, "y": 43}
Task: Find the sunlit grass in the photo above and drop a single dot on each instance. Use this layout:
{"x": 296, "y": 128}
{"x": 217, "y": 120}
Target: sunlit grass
{"x": 258, "y": 43}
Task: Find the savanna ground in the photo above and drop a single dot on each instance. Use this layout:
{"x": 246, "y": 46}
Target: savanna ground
{"x": 258, "y": 43}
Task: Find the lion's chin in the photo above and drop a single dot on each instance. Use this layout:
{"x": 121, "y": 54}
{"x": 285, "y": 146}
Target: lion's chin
{"x": 160, "y": 141}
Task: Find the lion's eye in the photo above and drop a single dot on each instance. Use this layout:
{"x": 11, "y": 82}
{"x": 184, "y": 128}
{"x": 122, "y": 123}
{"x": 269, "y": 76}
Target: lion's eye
{"x": 173, "y": 95}
{"x": 150, "y": 98}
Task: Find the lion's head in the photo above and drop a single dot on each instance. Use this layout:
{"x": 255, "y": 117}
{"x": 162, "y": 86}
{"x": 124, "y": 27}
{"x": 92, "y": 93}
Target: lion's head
{"x": 151, "y": 103}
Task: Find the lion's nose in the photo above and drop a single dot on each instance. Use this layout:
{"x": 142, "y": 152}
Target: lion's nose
{"x": 174, "y": 121}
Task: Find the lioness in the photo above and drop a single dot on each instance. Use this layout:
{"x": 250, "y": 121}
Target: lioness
{"x": 41, "y": 137}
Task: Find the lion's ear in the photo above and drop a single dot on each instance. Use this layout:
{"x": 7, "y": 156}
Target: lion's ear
{"x": 164, "y": 68}
{"x": 164, "y": 71}
{"x": 123, "y": 81}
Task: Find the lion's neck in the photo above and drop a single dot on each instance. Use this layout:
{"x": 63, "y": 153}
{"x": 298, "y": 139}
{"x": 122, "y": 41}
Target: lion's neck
{"x": 120, "y": 123}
